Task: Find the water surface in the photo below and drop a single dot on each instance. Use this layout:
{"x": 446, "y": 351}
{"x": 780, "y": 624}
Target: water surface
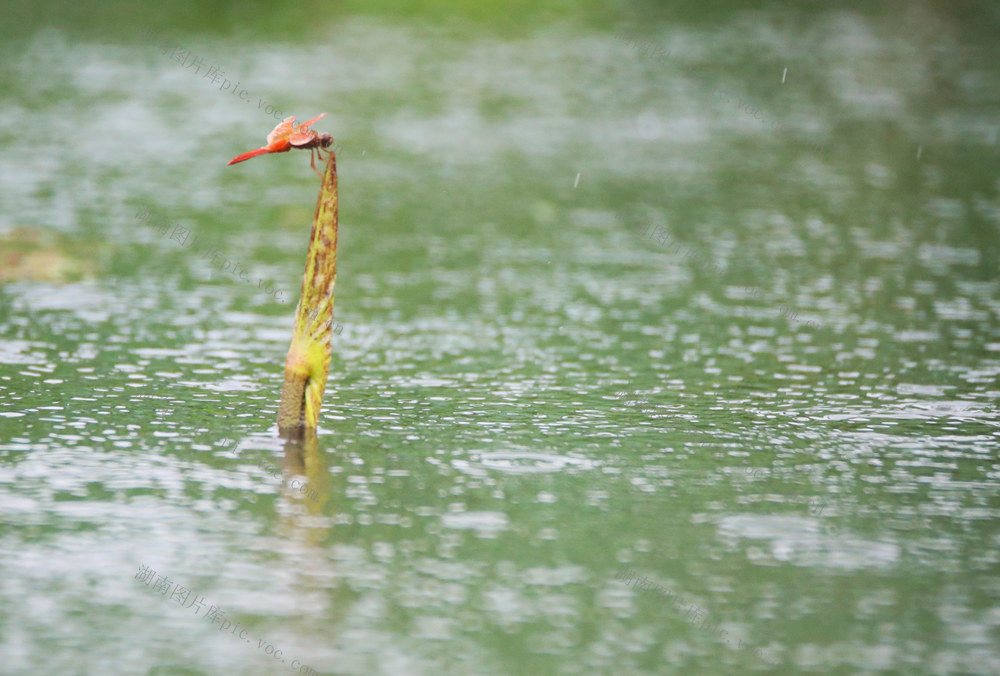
{"x": 609, "y": 315}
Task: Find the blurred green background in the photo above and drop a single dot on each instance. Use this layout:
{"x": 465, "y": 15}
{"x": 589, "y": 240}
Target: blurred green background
{"x": 701, "y": 294}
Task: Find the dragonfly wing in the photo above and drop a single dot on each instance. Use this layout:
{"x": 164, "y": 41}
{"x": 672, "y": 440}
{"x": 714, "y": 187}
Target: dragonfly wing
{"x": 303, "y": 135}
{"x": 283, "y": 129}
{"x": 301, "y": 138}
{"x": 305, "y": 125}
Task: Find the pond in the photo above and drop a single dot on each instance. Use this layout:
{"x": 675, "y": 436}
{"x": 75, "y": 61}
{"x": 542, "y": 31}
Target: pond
{"x": 667, "y": 343}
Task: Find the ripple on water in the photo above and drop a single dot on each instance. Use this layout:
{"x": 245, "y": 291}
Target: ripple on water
{"x": 21, "y": 352}
{"x": 520, "y": 462}
{"x": 480, "y": 521}
{"x": 799, "y": 541}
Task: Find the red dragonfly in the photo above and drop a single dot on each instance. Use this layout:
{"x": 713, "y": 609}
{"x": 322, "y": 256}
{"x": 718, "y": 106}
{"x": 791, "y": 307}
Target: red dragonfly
{"x": 286, "y": 136}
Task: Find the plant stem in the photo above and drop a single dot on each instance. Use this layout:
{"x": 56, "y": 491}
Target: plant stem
{"x": 308, "y": 362}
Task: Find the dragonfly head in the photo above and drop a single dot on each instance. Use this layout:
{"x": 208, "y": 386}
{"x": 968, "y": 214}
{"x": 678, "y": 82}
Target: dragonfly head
{"x": 325, "y": 140}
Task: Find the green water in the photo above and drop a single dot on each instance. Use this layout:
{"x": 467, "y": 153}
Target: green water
{"x": 612, "y": 318}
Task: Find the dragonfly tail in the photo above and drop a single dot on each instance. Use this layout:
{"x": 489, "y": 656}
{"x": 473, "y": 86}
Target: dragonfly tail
{"x": 247, "y": 156}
